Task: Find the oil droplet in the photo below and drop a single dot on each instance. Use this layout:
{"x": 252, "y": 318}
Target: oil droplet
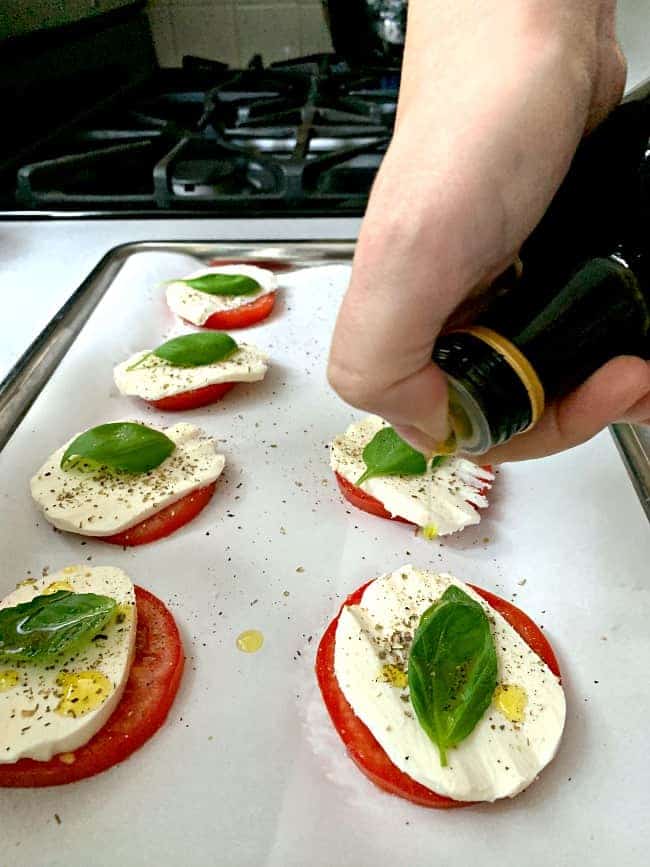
{"x": 123, "y": 612}
{"x": 28, "y": 582}
{"x": 395, "y": 676}
{"x": 447, "y": 447}
{"x": 511, "y": 700}
{"x": 460, "y": 422}
{"x": 430, "y": 531}
{"x": 250, "y": 641}
{"x": 83, "y": 691}
{"x": 67, "y": 758}
{"x": 8, "y": 679}
{"x": 70, "y": 570}
{"x": 55, "y": 586}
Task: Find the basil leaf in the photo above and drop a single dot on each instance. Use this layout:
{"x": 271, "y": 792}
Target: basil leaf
{"x": 194, "y": 350}
{"x": 123, "y": 446}
{"x": 223, "y": 284}
{"x": 452, "y": 669}
{"x": 437, "y": 460}
{"x": 50, "y": 624}
{"x": 388, "y": 455}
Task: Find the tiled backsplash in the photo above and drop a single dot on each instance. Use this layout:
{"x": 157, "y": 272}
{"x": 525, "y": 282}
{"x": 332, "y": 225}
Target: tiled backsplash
{"x": 234, "y": 30}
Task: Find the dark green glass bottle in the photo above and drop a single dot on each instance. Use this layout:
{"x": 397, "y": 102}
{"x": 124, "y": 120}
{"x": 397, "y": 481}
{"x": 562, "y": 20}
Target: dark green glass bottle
{"x": 527, "y": 351}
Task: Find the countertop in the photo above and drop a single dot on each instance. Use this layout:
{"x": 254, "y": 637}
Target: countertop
{"x": 43, "y": 262}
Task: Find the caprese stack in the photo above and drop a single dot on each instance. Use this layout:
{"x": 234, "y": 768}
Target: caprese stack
{"x": 224, "y": 296}
{"x": 380, "y": 473}
{"x": 128, "y": 483}
{"x": 442, "y": 693}
{"x": 190, "y": 371}
{"x": 89, "y": 668}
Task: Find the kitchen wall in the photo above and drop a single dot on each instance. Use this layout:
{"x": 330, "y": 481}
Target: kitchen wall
{"x": 234, "y": 30}
{"x": 634, "y": 35}
{"x": 22, "y": 16}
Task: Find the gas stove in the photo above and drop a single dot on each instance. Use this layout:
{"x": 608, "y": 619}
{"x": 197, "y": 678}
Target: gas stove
{"x": 303, "y": 136}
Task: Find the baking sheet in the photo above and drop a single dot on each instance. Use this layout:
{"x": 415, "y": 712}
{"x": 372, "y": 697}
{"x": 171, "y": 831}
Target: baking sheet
{"x": 247, "y": 770}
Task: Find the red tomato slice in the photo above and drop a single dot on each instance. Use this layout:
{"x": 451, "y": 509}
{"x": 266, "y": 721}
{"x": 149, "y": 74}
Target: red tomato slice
{"x": 361, "y": 745}
{"x": 194, "y": 398}
{"x": 164, "y": 522}
{"x": 242, "y": 317}
{"x": 149, "y": 694}
{"x": 484, "y": 491}
{"x": 367, "y": 503}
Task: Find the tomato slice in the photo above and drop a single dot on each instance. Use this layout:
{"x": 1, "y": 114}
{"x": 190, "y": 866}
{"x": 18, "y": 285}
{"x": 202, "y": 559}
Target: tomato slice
{"x": 361, "y": 745}
{"x": 150, "y": 690}
{"x": 484, "y": 491}
{"x": 367, "y": 503}
{"x": 164, "y": 522}
{"x": 242, "y": 317}
{"x": 194, "y": 398}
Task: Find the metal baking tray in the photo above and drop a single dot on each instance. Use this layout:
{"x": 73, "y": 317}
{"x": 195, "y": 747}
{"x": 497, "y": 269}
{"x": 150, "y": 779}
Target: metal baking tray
{"x": 30, "y": 374}
{"x": 247, "y": 770}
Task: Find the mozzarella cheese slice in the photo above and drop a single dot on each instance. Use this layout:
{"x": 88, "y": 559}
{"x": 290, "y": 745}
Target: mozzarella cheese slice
{"x": 442, "y": 499}
{"x": 37, "y": 720}
{"x": 156, "y": 378}
{"x": 197, "y": 307}
{"x": 500, "y": 757}
{"x": 102, "y": 503}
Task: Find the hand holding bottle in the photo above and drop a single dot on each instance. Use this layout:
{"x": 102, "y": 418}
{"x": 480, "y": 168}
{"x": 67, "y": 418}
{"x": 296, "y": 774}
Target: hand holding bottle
{"x": 493, "y": 104}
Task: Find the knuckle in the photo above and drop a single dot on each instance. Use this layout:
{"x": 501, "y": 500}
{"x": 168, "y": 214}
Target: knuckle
{"x": 352, "y": 387}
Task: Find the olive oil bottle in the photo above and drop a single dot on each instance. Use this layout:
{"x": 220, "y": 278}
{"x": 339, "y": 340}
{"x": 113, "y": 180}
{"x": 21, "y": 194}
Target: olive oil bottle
{"x": 527, "y": 350}
{"x": 575, "y": 305}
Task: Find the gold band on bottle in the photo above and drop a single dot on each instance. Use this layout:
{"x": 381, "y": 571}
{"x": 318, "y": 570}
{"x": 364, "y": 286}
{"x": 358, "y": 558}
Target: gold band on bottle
{"x": 519, "y": 364}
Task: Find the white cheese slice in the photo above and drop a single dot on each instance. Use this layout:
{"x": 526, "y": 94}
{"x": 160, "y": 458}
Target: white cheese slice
{"x": 101, "y": 504}
{"x": 197, "y": 307}
{"x": 443, "y": 498}
{"x": 155, "y": 378}
{"x": 30, "y": 726}
{"x": 499, "y": 758}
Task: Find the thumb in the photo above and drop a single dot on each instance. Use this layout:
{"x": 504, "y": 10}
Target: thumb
{"x": 416, "y": 406}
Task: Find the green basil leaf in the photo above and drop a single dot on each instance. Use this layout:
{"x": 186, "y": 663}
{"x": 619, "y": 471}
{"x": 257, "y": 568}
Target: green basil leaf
{"x": 194, "y": 350}
{"x": 123, "y": 446}
{"x": 51, "y": 624}
{"x": 388, "y": 455}
{"x": 437, "y": 460}
{"x": 223, "y": 284}
{"x": 452, "y": 669}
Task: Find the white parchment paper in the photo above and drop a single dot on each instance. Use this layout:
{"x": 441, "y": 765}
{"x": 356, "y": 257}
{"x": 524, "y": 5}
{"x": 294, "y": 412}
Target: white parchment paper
{"x": 247, "y": 770}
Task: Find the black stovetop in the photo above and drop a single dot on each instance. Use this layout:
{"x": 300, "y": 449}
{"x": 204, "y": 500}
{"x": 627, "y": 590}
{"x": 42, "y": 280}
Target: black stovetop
{"x": 299, "y": 137}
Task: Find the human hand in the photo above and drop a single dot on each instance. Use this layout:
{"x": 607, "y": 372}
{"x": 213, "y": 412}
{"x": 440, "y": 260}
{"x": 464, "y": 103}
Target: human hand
{"x": 494, "y": 101}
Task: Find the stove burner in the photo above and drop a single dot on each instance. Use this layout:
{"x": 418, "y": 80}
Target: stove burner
{"x": 308, "y": 134}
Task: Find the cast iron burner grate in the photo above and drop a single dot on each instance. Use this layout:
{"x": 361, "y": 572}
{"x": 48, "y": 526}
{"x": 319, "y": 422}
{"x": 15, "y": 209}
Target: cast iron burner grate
{"x": 304, "y": 136}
